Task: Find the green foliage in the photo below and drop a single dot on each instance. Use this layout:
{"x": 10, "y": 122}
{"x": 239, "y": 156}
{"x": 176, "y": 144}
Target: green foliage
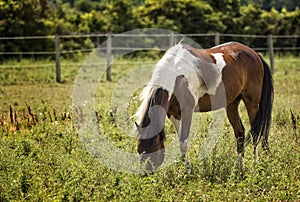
{"x": 45, "y": 17}
{"x": 278, "y": 4}
{"x": 248, "y": 21}
{"x": 32, "y": 17}
{"x": 119, "y": 16}
{"x": 26, "y": 18}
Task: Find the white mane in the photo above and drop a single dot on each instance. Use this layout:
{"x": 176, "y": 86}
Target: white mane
{"x": 145, "y": 97}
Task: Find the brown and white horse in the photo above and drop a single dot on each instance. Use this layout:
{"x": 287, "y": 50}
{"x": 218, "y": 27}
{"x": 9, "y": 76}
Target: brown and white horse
{"x": 188, "y": 80}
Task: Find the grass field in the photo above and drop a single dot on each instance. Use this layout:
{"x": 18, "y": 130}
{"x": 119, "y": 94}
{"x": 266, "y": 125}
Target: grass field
{"x": 43, "y": 159}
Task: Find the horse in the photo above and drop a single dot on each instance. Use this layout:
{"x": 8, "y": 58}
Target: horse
{"x": 188, "y": 80}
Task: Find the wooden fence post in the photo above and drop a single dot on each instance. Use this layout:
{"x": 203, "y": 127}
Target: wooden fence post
{"x": 217, "y": 38}
{"x": 98, "y": 40}
{"x": 172, "y": 40}
{"x": 57, "y": 59}
{"x": 108, "y": 57}
{"x": 271, "y": 51}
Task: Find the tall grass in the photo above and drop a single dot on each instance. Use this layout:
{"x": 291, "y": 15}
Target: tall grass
{"x": 47, "y": 161}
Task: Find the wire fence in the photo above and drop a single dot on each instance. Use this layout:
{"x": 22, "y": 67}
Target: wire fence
{"x": 64, "y": 45}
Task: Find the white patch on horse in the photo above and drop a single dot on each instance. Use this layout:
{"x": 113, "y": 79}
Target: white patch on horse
{"x": 226, "y": 46}
{"x": 232, "y": 53}
{"x": 184, "y": 147}
{"x": 177, "y": 61}
{"x": 220, "y": 64}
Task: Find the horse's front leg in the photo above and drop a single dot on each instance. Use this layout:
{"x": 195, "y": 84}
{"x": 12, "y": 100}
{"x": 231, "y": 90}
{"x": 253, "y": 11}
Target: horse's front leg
{"x": 186, "y": 102}
{"x": 184, "y": 130}
{"x": 183, "y": 139}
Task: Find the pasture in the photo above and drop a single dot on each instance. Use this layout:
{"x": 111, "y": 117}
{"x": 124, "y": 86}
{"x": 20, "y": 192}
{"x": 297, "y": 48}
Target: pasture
{"x": 43, "y": 159}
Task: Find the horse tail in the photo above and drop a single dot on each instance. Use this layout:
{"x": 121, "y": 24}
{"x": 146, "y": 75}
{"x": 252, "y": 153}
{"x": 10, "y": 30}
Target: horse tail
{"x": 261, "y": 125}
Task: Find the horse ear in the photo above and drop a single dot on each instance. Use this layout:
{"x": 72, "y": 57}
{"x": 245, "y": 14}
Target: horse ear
{"x": 139, "y": 128}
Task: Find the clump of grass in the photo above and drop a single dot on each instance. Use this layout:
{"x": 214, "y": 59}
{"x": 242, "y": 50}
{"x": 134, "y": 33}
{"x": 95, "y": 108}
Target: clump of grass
{"x": 17, "y": 120}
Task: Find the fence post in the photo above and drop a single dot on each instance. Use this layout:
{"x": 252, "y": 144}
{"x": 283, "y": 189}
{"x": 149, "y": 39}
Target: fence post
{"x": 172, "y": 39}
{"x": 98, "y": 40}
{"x": 217, "y": 38}
{"x": 57, "y": 59}
{"x": 271, "y": 50}
{"x": 108, "y": 57}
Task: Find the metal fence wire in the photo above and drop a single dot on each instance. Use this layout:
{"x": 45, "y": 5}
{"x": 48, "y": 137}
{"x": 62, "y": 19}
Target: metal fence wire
{"x": 85, "y": 43}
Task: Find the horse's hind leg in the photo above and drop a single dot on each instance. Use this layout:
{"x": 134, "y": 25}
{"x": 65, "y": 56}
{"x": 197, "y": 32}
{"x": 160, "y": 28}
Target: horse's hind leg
{"x": 251, "y": 104}
{"x": 239, "y": 130}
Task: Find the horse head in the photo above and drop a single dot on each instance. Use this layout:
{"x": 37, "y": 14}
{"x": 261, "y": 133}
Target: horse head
{"x": 151, "y": 148}
{"x": 151, "y": 131}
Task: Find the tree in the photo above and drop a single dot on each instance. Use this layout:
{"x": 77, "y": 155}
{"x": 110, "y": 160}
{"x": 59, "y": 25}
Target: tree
{"x": 182, "y": 16}
{"x": 270, "y": 22}
{"x": 267, "y": 5}
{"x": 249, "y": 19}
{"x": 118, "y": 16}
{"x": 228, "y": 12}
{"x": 84, "y": 5}
{"x": 26, "y": 18}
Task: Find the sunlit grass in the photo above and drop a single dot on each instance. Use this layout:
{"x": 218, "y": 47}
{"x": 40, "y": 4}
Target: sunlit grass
{"x": 47, "y": 160}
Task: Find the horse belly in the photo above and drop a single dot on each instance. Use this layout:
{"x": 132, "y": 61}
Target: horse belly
{"x": 211, "y": 102}
{"x": 204, "y": 104}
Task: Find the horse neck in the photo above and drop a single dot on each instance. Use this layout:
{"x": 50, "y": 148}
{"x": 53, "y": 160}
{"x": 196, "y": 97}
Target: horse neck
{"x": 157, "y": 107}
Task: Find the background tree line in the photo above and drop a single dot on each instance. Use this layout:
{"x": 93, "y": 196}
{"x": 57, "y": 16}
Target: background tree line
{"x": 49, "y": 17}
